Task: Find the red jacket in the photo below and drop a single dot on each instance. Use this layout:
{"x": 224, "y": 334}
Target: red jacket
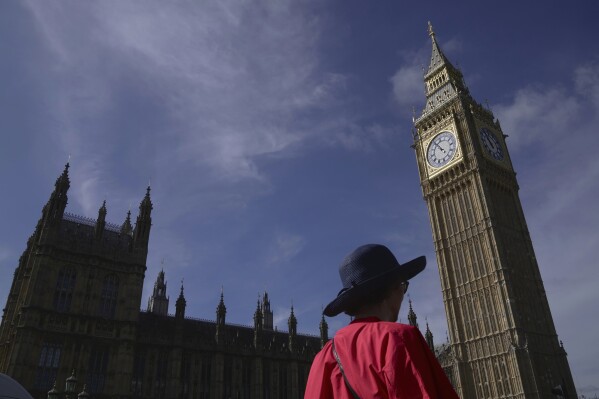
{"x": 381, "y": 360}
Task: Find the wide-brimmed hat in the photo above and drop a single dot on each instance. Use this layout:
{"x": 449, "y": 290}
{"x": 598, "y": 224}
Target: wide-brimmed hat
{"x": 366, "y": 270}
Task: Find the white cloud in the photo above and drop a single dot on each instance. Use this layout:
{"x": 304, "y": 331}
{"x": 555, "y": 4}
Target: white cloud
{"x": 537, "y": 114}
{"x": 408, "y": 84}
{"x": 5, "y": 254}
{"x": 452, "y": 47}
{"x": 211, "y": 87}
{"x": 285, "y": 246}
{"x": 587, "y": 82}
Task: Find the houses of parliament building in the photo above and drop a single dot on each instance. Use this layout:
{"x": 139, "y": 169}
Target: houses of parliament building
{"x": 74, "y": 305}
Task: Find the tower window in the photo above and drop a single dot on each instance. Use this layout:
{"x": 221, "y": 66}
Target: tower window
{"x": 283, "y": 387}
{"x": 98, "y": 365}
{"x": 228, "y": 378}
{"x": 205, "y": 378}
{"x": 185, "y": 376}
{"x": 266, "y": 379}
{"x": 246, "y": 378}
{"x": 138, "y": 374}
{"x": 65, "y": 285}
{"x": 160, "y": 379}
{"x": 47, "y": 366}
{"x": 108, "y": 298}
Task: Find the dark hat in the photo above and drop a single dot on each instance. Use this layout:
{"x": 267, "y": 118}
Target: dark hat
{"x": 366, "y": 270}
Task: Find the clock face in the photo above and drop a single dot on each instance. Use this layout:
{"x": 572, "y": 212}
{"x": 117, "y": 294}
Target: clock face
{"x": 441, "y": 149}
{"x": 491, "y": 143}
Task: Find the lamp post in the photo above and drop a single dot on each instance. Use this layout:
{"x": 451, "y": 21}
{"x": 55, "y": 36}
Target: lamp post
{"x": 53, "y": 393}
{"x": 70, "y": 387}
{"x": 83, "y": 394}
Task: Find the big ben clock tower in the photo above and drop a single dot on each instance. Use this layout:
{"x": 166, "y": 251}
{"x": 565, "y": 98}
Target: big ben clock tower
{"x": 503, "y": 340}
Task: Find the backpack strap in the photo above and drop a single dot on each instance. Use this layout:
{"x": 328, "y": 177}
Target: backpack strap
{"x": 354, "y": 394}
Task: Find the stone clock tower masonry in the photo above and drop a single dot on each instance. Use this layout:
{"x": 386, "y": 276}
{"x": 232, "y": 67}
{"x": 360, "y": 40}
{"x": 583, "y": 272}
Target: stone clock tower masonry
{"x": 503, "y": 342}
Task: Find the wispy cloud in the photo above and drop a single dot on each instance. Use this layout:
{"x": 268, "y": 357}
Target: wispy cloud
{"x": 536, "y": 113}
{"x": 407, "y": 84}
{"x": 208, "y": 88}
{"x": 5, "y": 253}
{"x": 284, "y": 247}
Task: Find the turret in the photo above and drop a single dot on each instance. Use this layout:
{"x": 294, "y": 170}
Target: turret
{"x": 141, "y": 233}
{"x": 324, "y": 332}
{"x": 292, "y": 323}
{"x": 101, "y": 222}
{"x": 221, "y": 312}
{"x": 428, "y": 336}
{"x": 267, "y": 312}
{"x": 53, "y": 211}
{"x": 126, "y": 228}
{"x": 180, "y": 305}
{"x": 258, "y": 326}
{"x": 158, "y": 302}
{"x": 412, "y": 316}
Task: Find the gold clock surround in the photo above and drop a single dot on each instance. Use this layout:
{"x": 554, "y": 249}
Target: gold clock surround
{"x": 431, "y": 170}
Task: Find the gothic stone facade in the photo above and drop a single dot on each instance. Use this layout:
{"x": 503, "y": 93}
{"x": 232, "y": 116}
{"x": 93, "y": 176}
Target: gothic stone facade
{"x": 503, "y": 340}
{"x": 75, "y": 302}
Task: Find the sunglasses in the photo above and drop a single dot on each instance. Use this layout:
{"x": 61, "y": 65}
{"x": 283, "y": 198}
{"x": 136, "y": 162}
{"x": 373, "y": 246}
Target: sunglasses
{"x": 405, "y": 285}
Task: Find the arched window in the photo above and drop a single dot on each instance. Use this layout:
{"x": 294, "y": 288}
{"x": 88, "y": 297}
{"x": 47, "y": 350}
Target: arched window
{"x": 65, "y": 285}
{"x": 110, "y": 290}
{"x": 97, "y": 369}
{"x": 47, "y": 366}
{"x": 205, "y": 377}
{"x": 283, "y": 382}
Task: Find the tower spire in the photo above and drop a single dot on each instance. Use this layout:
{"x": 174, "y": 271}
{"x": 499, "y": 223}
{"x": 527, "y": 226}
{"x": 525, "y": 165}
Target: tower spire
{"x": 221, "y": 312}
{"x": 292, "y": 323}
{"x": 324, "y": 331}
{"x": 158, "y": 302}
{"x": 438, "y": 59}
{"x": 126, "y": 228}
{"x": 257, "y": 324}
{"x": 141, "y": 233}
{"x": 428, "y": 336}
{"x": 267, "y": 313}
{"x": 443, "y": 81}
{"x": 54, "y": 209}
{"x": 412, "y": 316}
{"x": 431, "y": 32}
{"x": 221, "y": 309}
{"x": 101, "y": 222}
{"x": 180, "y": 304}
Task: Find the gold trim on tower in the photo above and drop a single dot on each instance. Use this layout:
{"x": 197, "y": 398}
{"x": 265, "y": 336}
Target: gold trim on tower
{"x": 454, "y": 158}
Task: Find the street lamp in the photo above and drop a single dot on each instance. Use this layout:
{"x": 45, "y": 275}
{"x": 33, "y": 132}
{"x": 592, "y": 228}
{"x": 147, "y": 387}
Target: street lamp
{"x": 70, "y": 385}
{"x": 83, "y": 394}
{"x": 53, "y": 393}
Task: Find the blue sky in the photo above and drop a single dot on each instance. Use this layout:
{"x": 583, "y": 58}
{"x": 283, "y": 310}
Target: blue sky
{"x": 276, "y": 136}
